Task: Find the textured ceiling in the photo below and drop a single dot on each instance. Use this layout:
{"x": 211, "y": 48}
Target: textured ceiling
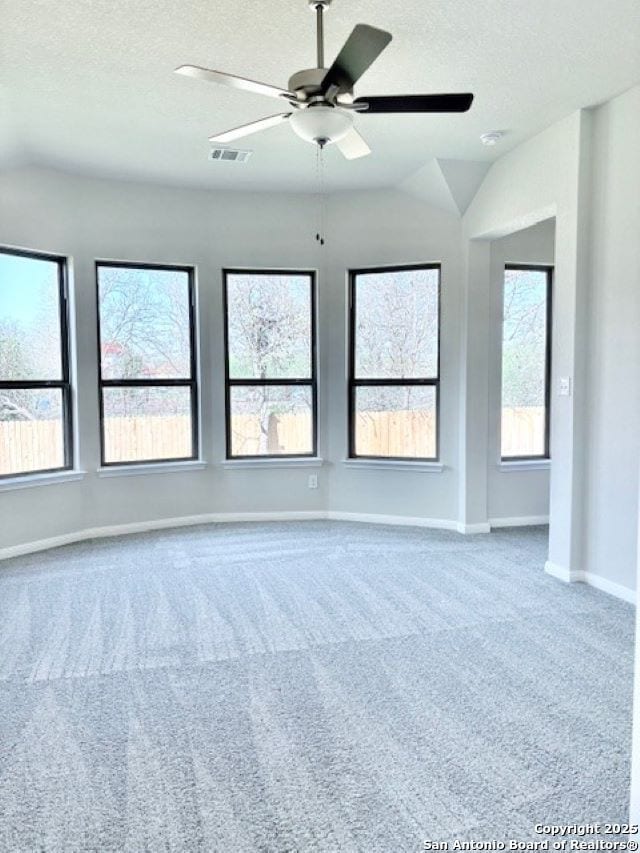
{"x": 87, "y": 85}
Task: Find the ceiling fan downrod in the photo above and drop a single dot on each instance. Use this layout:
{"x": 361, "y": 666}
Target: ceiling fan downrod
{"x": 319, "y": 6}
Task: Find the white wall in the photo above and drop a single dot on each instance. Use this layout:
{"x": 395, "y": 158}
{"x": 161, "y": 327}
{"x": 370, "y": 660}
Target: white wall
{"x": 88, "y": 219}
{"x": 512, "y": 492}
{"x": 398, "y": 229}
{"x": 528, "y": 185}
{"x": 542, "y": 178}
{"x": 613, "y": 390}
{"x": 586, "y": 170}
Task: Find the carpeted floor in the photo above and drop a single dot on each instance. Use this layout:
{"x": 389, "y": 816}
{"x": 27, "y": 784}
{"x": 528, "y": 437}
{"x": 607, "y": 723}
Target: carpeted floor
{"x": 310, "y": 686}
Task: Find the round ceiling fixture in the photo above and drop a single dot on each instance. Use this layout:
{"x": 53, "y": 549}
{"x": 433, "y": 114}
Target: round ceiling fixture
{"x": 321, "y": 124}
{"x": 491, "y": 138}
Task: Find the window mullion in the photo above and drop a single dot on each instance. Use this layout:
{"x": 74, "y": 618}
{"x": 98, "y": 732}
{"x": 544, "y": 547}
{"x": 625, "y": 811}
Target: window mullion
{"x": 27, "y": 384}
{"x": 393, "y": 382}
{"x": 146, "y": 383}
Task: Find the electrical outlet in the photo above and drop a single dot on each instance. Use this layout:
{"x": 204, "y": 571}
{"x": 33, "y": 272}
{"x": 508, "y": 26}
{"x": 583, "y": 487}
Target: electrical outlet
{"x": 313, "y": 481}
{"x": 565, "y": 386}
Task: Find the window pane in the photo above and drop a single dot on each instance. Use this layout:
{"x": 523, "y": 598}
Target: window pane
{"x": 31, "y": 430}
{"x": 269, "y": 326}
{"x": 271, "y": 420}
{"x": 30, "y": 343}
{"x": 395, "y": 421}
{"x": 144, "y": 323}
{"x": 143, "y": 424}
{"x": 524, "y": 346}
{"x": 396, "y": 324}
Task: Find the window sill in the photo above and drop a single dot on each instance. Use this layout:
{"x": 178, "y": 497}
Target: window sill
{"x": 298, "y": 462}
{"x": 395, "y": 465}
{"x": 28, "y": 481}
{"x": 152, "y": 468}
{"x": 525, "y": 465}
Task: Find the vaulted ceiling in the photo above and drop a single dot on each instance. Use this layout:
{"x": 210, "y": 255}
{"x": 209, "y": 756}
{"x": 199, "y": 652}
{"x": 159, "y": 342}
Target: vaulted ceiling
{"x": 88, "y": 86}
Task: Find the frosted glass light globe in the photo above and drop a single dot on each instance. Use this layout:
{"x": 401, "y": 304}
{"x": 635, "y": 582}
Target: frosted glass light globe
{"x": 321, "y": 123}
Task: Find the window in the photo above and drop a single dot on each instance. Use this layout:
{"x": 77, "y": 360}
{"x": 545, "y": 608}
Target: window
{"x": 35, "y": 391}
{"x": 270, "y": 363}
{"x": 394, "y": 362}
{"x": 148, "y": 389}
{"x": 526, "y": 362}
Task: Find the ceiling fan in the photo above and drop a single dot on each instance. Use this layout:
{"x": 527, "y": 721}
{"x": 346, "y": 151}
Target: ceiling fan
{"x": 320, "y": 101}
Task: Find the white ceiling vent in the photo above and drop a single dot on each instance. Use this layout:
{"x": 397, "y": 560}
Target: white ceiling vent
{"x": 229, "y": 155}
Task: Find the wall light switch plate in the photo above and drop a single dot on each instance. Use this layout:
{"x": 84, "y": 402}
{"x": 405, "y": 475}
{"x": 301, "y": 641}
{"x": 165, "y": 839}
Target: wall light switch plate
{"x": 565, "y": 386}
{"x": 313, "y": 481}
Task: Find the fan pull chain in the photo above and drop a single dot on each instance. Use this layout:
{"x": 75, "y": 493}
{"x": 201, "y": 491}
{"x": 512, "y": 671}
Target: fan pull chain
{"x": 321, "y": 193}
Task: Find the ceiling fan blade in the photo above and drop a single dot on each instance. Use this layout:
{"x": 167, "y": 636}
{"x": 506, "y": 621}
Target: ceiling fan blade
{"x": 235, "y": 82}
{"x": 361, "y": 49}
{"x": 252, "y": 127}
{"x": 353, "y": 145}
{"x": 459, "y": 103}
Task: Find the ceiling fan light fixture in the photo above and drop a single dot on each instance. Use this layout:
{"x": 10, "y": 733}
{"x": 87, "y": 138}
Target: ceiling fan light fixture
{"x": 321, "y": 124}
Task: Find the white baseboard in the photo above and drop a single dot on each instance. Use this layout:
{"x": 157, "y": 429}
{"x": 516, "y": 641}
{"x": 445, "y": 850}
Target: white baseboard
{"x": 519, "y": 521}
{"x": 230, "y": 517}
{"x": 468, "y": 529}
{"x": 409, "y": 521}
{"x": 155, "y": 524}
{"x": 610, "y": 587}
{"x": 398, "y": 520}
{"x": 579, "y": 576}
{"x": 562, "y": 573}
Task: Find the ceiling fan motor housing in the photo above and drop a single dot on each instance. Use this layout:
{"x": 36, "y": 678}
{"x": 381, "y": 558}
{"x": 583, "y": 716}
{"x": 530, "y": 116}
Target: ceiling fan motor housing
{"x": 307, "y": 84}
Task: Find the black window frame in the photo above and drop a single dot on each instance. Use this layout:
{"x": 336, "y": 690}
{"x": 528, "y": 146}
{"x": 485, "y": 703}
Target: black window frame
{"x": 191, "y": 382}
{"x": 354, "y": 382}
{"x": 311, "y": 382}
{"x": 64, "y": 383}
{"x": 549, "y": 270}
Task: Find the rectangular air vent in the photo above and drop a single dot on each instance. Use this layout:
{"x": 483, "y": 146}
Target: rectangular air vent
{"x": 229, "y": 155}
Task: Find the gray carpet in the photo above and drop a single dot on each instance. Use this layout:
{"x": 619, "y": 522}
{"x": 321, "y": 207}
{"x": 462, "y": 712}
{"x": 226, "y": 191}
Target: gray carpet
{"x": 309, "y": 686}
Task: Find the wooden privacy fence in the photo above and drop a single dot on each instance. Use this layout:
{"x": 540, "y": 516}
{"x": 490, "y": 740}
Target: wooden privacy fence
{"x": 410, "y": 434}
{"x": 290, "y": 433}
{"x": 147, "y": 437}
{"x": 399, "y": 433}
{"x": 523, "y": 431}
{"x": 30, "y": 446}
{"x": 33, "y": 445}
